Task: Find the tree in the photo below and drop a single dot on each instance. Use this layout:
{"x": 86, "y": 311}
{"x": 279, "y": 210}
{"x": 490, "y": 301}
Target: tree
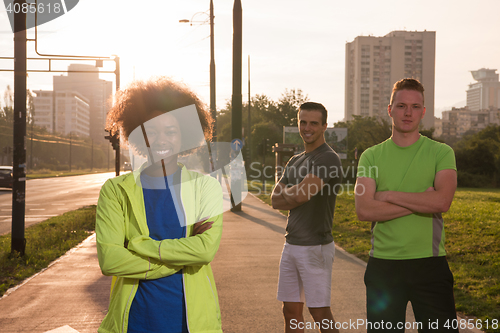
{"x": 7, "y": 112}
{"x": 364, "y": 132}
{"x": 478, "y": 157}
{"x": 30, "y": 107}
{"x": 285, "y": 112}
{"x": 267, "y": 117}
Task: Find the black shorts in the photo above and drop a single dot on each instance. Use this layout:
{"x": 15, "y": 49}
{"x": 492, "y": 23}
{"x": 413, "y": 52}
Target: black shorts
{"x": 427, "y": 283}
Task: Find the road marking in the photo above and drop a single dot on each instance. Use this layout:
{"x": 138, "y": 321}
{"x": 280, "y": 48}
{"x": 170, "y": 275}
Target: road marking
{"x": 37, "y": 209}
{"x": 57, "y": 204}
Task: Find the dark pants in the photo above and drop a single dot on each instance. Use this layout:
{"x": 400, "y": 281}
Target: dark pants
{"x": 427, "y": 283}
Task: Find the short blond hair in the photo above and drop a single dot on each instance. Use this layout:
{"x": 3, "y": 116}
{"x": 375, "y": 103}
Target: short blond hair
{"x": 407, "y": 84}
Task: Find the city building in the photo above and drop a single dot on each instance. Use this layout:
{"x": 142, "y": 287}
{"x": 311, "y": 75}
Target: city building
{"x": 374, "y": 64}
{"x": 458, "y": 121}
{"x": 484, "y": 93}
{"x": 98, "y": 92}
{"x": 72, "y": 112}
{"x": 482, "y": 109}
{"x": 438, "y": 127}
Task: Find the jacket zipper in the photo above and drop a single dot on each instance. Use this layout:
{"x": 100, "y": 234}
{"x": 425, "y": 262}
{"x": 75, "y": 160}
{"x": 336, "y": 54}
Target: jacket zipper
{"x": 127, "y": 308}
{"x": 215, "y": 300}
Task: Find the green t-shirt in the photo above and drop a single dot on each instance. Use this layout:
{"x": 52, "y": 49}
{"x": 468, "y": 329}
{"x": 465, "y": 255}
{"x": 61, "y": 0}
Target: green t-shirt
{"x": 407, "y": 169}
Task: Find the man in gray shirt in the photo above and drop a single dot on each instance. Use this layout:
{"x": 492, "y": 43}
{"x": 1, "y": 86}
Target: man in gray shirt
{"x": 308, "y": 190}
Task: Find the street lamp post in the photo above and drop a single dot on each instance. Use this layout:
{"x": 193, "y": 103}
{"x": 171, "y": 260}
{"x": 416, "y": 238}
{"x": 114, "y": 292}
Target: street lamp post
{"x": 212, "y": 63}
{"x": 212, "y": 71}
{"x": 18, "y": 242}
{"x": 237, "y": 98}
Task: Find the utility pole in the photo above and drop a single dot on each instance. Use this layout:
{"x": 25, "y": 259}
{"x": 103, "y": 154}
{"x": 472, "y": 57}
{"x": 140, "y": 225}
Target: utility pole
{"x": 237, "y": 99}
{"x": 92, "y": 156}
{"x": 117, "y": 149}
{"x": 70, "y": 151}
{"x": 249, "y": 125}
{"x": 18, "y": 242}
{"x": 213, "y": 109}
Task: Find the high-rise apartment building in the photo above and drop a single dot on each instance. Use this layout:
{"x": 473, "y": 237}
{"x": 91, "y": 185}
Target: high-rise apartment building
{"x": 374, "y": 64}
{"x": 71, "y": 116}
{"x": 97, "y": 91}
{"x": 485, "y": 93}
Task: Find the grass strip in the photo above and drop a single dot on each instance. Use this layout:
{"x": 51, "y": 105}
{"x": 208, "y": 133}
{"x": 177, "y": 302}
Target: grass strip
{"x": 45, "y": 173}
{"x": 472, "y": 245}
{"x": 45, "y": 242}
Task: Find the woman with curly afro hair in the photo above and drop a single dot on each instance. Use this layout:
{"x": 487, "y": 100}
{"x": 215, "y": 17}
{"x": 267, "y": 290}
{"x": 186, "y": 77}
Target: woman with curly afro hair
{"x": 159, "y": 227}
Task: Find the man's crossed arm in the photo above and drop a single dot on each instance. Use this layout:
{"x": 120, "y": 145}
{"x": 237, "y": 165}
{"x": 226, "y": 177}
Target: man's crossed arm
{"x": 288, "y": 198}
{"x": 388, "y": 205}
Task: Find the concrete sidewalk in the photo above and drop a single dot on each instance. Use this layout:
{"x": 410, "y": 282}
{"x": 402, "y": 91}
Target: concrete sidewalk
{"x": 72, "y": 294}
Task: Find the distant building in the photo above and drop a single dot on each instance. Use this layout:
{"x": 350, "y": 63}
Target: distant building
{"x": 97, "y": 91}
{"x": 482, "y": 109}
{"x": 438, "y": 127}
{"x": 72, "y": 112}
{"x": 374, "y": 64}
{"x": 458, "y": 121}
{"x": 484, "y": 93}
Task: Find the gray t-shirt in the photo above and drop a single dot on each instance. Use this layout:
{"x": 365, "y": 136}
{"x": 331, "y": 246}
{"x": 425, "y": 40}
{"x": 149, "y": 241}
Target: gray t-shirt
{"x": 311, "y": 222}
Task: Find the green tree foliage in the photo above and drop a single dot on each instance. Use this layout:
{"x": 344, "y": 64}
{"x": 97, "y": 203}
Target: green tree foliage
{"x": 285, "y": 112}
{"x": 364, "y": 132}
{"x": 7, "y": 110}
{"x": 478, "y": 158}
{"x": 30, "y": 108}
{"x": 267, "y": 120}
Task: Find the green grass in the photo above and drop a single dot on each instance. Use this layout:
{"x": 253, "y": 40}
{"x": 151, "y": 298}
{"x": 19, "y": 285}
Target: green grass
{"x": 473, "y": 246}
{"x": 472, "y": 243}
{"x": 46, "y": 173}
{"x": 45, "y": 242}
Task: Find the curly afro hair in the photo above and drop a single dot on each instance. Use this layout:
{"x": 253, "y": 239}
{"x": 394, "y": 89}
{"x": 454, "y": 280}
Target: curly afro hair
{"x": 139, "y": 102}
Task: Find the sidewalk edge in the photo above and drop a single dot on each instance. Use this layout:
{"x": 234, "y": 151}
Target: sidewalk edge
{"x": 70, "y": 251}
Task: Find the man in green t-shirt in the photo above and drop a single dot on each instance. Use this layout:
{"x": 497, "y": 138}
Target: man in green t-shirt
{"x": 403, "y": 186}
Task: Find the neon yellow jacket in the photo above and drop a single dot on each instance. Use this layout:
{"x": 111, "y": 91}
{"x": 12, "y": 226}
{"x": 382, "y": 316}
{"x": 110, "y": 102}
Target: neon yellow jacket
{"x": 127, "y": 253}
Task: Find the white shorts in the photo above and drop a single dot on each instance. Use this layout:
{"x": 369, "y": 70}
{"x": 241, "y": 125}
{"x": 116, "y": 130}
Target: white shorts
{"x": 306, "y": 274}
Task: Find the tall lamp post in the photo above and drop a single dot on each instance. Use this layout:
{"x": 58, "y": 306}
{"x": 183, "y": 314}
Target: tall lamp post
{"x": 212, "y": 63}
{"x": 18, "y": 242}
{"x": 237, "y": 98}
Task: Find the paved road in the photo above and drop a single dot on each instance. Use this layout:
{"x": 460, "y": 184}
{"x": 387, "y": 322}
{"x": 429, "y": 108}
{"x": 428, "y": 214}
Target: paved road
{"x": 51, "y": 197}
{"x": 72, "y": 295}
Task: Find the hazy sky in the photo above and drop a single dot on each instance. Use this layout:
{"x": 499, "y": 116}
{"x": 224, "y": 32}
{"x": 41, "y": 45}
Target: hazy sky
{"x": 292, "y": 44}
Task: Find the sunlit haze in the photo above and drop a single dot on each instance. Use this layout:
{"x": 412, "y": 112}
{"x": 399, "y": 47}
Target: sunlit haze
{"x": 292, "y": 44}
